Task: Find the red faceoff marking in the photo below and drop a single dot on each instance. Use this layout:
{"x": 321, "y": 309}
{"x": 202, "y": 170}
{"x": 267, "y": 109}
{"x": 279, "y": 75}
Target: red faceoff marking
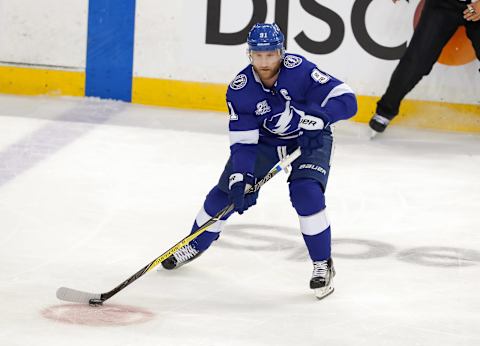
{"x": 99, "y": 316}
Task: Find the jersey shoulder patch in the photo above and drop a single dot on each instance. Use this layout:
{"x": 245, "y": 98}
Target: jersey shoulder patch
{"x": 291, "y": 61}
{"x": 319, "y": 76}
{"x": 239, "y": 82}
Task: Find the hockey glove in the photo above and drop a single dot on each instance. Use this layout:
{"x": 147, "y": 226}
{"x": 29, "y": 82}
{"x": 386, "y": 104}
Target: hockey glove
{"x": 310, "y": 137}
{"x": 237, "y": 196}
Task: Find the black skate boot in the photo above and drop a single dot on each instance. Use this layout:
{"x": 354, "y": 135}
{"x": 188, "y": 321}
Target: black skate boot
{"x": 379, "y": 123}
{"x": 321, "y": 281}
{"x": 183, "y": 255}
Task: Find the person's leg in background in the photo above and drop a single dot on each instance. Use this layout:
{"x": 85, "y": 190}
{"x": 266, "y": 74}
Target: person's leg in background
{"x": 436, "y": 26}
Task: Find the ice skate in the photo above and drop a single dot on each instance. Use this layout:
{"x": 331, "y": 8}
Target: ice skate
{"x": 184, "y": 255}
{"x": 321, "y": 281}
{"x": 378, "y": 124}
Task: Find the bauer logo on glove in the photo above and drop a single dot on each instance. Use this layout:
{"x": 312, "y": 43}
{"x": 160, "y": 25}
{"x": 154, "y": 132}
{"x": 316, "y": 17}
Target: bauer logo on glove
{"x": 309, "y": 122}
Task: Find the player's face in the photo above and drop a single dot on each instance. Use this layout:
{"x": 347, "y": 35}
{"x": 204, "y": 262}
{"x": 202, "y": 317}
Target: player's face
{"x": 266, "y": 63}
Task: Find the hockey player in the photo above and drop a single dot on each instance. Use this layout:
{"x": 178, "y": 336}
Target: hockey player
{"x": 277, "y": 103}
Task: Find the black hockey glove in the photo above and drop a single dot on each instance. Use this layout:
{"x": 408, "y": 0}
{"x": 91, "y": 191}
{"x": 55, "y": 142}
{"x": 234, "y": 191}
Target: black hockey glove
{"x": 237, "y": 196}
{"x": 310, "y": 137}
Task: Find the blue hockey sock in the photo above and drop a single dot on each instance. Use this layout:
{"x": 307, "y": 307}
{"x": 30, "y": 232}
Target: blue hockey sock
{"x": 309, "y": 201}
{"x": 319, "y": 245}
{"x": 215, "y": 201}
{"x": 204, "y": 240}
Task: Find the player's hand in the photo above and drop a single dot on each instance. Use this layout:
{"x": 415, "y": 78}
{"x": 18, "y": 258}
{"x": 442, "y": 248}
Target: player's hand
{"x": 472, "y": 12}
{"x": 311, "y": 136}
{"x": 237, "y": 196}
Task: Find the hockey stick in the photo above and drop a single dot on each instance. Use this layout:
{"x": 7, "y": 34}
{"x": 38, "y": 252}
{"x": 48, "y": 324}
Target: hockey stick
{"x": 72, "y": 295}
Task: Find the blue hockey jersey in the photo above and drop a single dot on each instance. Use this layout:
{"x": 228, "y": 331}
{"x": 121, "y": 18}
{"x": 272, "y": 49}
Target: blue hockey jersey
{"x": 271, "y": 116}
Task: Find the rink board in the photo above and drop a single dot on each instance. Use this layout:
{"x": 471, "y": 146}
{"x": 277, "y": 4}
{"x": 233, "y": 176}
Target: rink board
{"x": 174, "y": 54}
{"x": 210, "y": 96}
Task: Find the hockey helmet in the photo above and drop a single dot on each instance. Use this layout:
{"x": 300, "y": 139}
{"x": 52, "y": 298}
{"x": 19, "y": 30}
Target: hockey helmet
{"x": 264, "y": 37}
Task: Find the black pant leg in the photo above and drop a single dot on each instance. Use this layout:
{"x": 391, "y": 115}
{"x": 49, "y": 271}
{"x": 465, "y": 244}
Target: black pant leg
{"x": 473, "y": 33}
{"x": 436, "y": 26}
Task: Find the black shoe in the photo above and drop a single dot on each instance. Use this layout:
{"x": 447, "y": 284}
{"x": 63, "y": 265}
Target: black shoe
{"x": 379, "y": 123}
{"x": 321, "y": 281}
{"x": 183, "y": 255}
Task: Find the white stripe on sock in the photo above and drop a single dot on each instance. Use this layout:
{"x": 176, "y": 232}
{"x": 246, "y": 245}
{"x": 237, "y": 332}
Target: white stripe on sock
{"x": 203, "y": 217}
{"x": 314, "y": 224}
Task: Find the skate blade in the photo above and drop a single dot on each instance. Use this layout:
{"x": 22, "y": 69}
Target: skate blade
{"x": 373, "y": 134}
{"x": 323, "y": 292}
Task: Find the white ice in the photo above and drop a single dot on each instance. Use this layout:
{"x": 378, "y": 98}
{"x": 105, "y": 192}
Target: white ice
{"x": 91, "y": 191}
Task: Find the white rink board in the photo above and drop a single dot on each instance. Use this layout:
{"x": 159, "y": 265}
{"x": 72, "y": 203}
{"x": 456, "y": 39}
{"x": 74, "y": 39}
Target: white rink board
{"x": 170, "y": 44}
{"x": 46, "y": 32}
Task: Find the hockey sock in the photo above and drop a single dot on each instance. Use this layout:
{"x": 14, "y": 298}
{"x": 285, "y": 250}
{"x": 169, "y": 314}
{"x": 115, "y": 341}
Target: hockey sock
{"x": 215, "y": 201}
{"x": 204, "y": 240}
{"x": 319, "y": 245}
{"x": 308, "y": 200}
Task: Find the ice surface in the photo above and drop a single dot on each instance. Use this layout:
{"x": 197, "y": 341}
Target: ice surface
{"x": 91, "y": 191}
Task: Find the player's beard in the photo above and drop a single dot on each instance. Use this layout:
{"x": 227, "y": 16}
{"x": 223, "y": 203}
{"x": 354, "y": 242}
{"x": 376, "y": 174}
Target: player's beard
{"x": 266, "y": 73}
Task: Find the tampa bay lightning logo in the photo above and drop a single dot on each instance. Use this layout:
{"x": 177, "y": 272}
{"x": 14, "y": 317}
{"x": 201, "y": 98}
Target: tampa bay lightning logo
{"x": 291, "y": 61}
{"x": 239, "y": 82}
{"x": 285, "y": 123}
